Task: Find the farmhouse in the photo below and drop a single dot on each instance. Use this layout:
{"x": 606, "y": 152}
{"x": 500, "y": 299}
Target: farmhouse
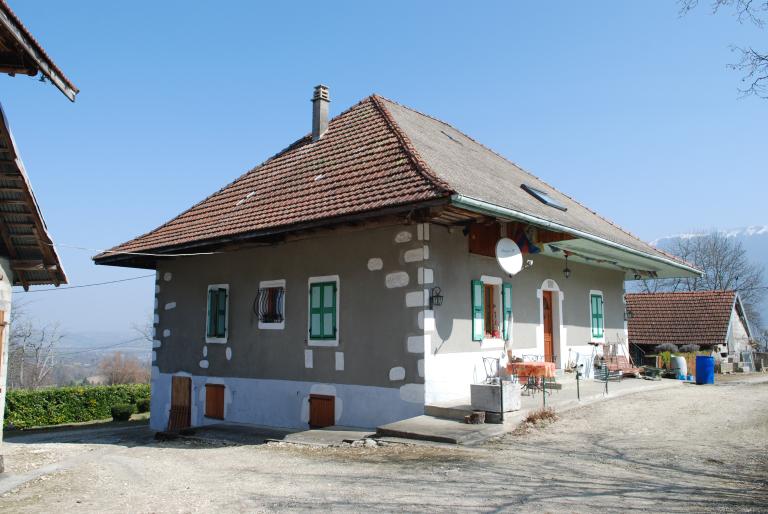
{"x": 27, "y": 255}
{"x": 712, "y": 320}
{"x": 352, "y": 278}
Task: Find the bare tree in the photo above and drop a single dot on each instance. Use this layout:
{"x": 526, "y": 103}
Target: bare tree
{"x": 121, "y": 369}
{"x": 31, "y": 351}
{"x": 725, "y": 266}
{"x": 752, "y": 62}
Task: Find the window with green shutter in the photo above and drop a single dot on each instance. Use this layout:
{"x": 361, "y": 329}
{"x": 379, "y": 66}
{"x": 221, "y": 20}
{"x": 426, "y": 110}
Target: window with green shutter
{"x": 322, "y": 310}
{"x": 217, "y": 312}
{"x": 598, "y": 321}
{"x": 478, "y": 316}
{"x": 506, "y": 300}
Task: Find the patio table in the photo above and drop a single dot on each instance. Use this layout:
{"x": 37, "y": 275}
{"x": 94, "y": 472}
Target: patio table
{"x": 532, "y": 374}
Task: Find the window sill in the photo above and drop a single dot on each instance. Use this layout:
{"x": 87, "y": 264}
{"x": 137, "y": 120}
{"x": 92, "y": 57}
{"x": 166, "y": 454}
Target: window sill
{"x": 492, "y": 343}
{"x": 215, "y": 340}
{"x": 323, "y": 342}
{"x": 271, "y": 326}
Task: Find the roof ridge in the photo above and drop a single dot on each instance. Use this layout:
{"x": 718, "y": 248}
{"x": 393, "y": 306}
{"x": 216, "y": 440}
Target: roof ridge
{"x": 421, "y": 165}
{"x": 673, "y": 257}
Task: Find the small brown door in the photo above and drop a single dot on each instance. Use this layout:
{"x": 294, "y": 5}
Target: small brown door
{"x": 549, "y": 346}
{"x": 181, "y": 402}
{"x": 322, "y": 410}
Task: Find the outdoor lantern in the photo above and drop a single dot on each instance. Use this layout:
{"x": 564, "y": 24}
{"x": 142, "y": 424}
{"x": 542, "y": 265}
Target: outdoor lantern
{"x": 435, "y": 298}
{"x": 567, "y": 270}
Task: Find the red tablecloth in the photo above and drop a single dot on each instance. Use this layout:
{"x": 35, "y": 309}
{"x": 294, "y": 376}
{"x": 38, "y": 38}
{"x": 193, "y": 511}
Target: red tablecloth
{"x": 532, "y": 369}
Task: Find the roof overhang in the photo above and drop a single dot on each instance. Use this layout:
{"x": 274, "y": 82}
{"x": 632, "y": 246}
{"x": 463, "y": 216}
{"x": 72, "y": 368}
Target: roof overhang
{"x": 29, "y": 58}
{"x": 586, "y": 247}
{"x": 24, "y": 238}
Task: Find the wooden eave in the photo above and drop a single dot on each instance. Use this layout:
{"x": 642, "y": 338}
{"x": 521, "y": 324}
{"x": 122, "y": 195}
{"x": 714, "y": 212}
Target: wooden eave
{"x": 24, "y": 238}
{"x": 20, "y": 53}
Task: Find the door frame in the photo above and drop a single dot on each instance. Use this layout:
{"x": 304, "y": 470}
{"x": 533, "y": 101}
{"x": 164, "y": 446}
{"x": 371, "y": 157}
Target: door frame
{"x": 559, "y": 341}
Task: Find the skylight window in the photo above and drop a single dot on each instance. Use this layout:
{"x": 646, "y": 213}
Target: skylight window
{"x": 543, "y": 197}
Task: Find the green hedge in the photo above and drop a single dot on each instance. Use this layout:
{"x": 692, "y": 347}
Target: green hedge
{"x": 56, "y": 405}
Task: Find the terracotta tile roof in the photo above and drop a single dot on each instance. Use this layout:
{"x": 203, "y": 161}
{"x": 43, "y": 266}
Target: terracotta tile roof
{"x": 700, "y": 317}
{"x": 360, "y": 164}
{"x": 377, "y": 154}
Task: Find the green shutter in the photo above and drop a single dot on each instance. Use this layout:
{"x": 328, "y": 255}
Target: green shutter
{"x": 597, "y": 315}
{"x": 506, "y": 303}
{"x": 221, "y": 318}
{"x": 322, "y": 310}
{"x": 211, "y": 329}
{"x": 478, "y": 320}
{"x": 315, "y": 311}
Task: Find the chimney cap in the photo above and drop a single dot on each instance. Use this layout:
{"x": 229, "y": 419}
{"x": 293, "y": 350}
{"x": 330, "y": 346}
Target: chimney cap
{"x": 321, "y": 93}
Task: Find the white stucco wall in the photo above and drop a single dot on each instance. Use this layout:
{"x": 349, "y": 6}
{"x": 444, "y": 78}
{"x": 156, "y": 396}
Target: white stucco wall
{"x": 738, "y": 339}
{"x": 6, "y": 281}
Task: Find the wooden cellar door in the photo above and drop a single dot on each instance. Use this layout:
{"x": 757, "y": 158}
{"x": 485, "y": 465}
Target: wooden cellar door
{"x": 322, "y": 411}
{"x": 181, "y": 404}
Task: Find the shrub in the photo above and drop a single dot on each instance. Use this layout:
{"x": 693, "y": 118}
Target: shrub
{"x": 689, "y": 348}
{"x": 544, "y": 415}
{"x": 56, "y": 405}
{"x": 123, "y": 411}
{"x": 142, "y": 405}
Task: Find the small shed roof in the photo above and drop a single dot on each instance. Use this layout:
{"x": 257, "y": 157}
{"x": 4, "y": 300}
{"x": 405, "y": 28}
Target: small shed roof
{"x": 21, "y": 53}
{"x": 24, "y": 237}
{"x": 698, "y": 317}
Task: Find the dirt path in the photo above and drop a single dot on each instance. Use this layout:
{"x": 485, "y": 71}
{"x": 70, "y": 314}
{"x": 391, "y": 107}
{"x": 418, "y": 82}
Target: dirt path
{"x": 696, "y": 449}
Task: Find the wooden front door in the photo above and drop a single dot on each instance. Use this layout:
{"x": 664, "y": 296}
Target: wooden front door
{"x": 549, "y": 345}
{"x": 181, "y": 404}
{"x": 322, "y": 411}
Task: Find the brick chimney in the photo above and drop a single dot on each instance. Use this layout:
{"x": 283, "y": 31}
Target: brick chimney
{"x": 320, "y": 102}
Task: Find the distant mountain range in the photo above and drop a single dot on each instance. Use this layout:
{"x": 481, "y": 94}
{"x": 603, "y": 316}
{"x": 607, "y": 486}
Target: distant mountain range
{"x": 754, "y": 239}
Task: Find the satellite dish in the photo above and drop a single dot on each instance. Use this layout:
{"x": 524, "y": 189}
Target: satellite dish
{"x": 509, "y": 256}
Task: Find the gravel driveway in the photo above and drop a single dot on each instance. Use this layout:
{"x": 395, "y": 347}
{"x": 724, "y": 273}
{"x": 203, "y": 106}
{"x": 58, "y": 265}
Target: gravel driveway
{"x": 691, "y": 449}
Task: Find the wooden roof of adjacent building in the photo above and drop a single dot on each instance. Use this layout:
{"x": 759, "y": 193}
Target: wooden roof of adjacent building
{"x": 24, "y": 237}
{"x": 20, "y": 53}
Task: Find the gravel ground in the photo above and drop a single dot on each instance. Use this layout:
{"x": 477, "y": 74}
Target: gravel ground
{"x": 691, "y": 449}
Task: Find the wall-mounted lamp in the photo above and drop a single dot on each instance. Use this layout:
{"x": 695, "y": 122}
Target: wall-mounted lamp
{"x": 567, "y": 270}
{"x": 435, "y": 298}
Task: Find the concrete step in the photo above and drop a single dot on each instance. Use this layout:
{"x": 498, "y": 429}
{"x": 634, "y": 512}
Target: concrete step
{"x": 456, "y": 412}
{"x": 440, "y": 430}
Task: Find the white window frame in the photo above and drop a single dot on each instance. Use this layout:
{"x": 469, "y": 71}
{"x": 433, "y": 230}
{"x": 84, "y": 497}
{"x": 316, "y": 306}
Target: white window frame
{"x": 216, "y": 340}
{"x": 323, "y": 342}
{"x": 494, "y": 343}
{"x": 266, "y": 284}
{"x": 596, "y": 292}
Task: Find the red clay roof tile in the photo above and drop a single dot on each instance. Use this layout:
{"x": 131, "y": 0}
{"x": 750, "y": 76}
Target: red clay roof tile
{"x": 699, "y": 317}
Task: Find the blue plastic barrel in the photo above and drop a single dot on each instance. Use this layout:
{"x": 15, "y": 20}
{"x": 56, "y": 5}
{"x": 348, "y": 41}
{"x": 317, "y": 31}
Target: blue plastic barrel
{"x": 705, "y": 369}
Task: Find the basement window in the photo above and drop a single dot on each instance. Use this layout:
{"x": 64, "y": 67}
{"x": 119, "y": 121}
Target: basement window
{"x": 270, "y": 304}
{"x": 543, "y": 197}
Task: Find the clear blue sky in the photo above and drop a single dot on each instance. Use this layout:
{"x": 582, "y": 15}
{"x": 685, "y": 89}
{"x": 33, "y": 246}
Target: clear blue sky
{"x": 623, "y": 105}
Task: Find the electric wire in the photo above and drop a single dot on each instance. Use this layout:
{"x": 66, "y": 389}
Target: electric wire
{"x": 64, "y": 288}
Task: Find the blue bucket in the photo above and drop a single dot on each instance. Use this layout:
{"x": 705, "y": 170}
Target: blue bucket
{"x": 705, "y": 369}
